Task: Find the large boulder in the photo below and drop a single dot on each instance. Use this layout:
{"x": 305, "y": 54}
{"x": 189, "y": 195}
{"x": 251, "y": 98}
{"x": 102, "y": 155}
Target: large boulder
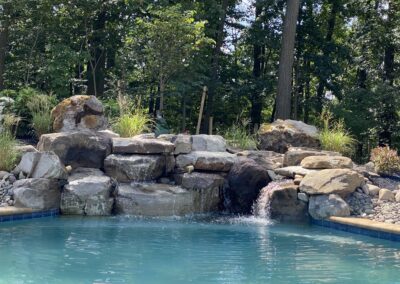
{"x": 42, "y": 165}
{"x": 78, "y": 149}
{"x": 267, "y": 159}
{"x": 339, "y": 181}
{"x": 282, "y": 134}
{"x": 207, "y": 161}
{"x": 246, "y": 179}
{"x": 284, "y": 204}
{"x": 126, "y": 168}
{"x": 295, "y": 155}
{"x": 152, "y": 199}
{"x": 327, "y": 162}
{"x": 325, "y": 206}
{"x": 88, "y": 192}
{"x": 211, "y": 143}
{"x": 182, "y": 142}
{"x": 37, "y": 193}
{"x": 207, "y": 187}
{"x": 79, "y": 113}
{"x": 141, "y": 146}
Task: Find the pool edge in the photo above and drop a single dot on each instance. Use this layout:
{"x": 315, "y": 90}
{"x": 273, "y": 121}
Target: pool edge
{"x": 16, "y": 214}
{"x": 361, "y": 227}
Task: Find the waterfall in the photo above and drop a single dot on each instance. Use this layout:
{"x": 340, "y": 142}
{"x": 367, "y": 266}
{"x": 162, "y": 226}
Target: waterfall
{"x": 262, "y": 206}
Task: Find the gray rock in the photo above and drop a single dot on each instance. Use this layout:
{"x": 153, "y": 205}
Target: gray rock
{"x": 135, "y": 167}
{"x": 37, "y": 193}
{"x": 295, "y": 155}
{"x": 267, "y": 159}
{"x": 210, "y": 143}
{"x": 282, "y": 134}
{"x": 141, "y": 146}
{"x": 42, "y": 165}
{"x": 292, "y": 171}
{"x": 386, "y": 194}
{"x": 339, "y": 181}
{"x": 325, "y": 206}
{"x": 207, "y": 161}
{"x": 150, "y": 199}
{"x": 302, "y": 196}
{"x": 87, "y": 195}
{"x": 78, "y": 149}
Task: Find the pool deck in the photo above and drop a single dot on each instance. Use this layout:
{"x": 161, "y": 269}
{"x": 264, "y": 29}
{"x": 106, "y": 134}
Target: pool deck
{"x": 362, "y": 226}
{"x": 12, "y": 213}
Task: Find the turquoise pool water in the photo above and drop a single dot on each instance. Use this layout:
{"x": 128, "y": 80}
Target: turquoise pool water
{"x": 220, "y": 250}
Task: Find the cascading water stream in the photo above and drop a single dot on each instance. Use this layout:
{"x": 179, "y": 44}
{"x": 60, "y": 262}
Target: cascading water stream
{"x": 262, "y": 206}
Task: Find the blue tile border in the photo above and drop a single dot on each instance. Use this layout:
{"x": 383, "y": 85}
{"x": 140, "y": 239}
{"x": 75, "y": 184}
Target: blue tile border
{"x": 32, "y": 215}
{"x": 357, "y": 230}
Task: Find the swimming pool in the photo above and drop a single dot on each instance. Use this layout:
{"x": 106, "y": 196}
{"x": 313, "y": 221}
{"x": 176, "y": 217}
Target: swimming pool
{"x": 207, "y": 250}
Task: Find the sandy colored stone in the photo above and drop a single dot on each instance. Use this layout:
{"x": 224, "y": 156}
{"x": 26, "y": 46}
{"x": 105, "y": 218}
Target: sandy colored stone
{"x": 327, "y": 162}
{"x": 340, "y": 181}
{"x": 386, "y": 194}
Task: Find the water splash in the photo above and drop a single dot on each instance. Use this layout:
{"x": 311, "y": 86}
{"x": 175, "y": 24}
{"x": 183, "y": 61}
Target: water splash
{"x": 262, "y": 206}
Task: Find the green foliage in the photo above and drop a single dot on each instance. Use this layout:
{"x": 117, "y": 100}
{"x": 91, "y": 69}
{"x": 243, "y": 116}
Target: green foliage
{"x": 335, "y": 137}
{"x": 386, "y": 160}
{"x": 238, "y": 136}
{"x": 40, "y": 109}
{"x": 133, "y": 119}
{"x": 8, "y": 153}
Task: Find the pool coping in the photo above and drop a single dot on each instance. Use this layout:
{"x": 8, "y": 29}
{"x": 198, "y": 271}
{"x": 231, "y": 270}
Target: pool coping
{"x": 11, "y": 213}
{"x": 362, "y": 226}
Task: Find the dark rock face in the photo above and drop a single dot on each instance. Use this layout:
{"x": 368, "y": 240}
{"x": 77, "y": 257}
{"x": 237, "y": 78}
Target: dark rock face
{"x": 245, "y": 179}
{"x": 78, "y": 149}
{"x": 285, "y": 205}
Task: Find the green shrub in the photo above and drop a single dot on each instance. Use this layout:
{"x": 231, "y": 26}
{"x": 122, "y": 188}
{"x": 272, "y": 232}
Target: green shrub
{"x": 40, "y": 109}
{"x": 133, "y": 119}
{"x": 238, "y": 136}
{"x": 386, "y": 160}
{"x": 8, "y": 153}
{"x": 335, "y": 137}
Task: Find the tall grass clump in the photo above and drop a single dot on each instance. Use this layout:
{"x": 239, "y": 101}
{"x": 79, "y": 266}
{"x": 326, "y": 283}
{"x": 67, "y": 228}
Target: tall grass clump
{"x": 8, "y": 143}
{"x": 386, "y": 160}
{"x": 238, "y": 136}
{"x": 40, "y": 108}
{"x": 335, "y": 137}
{"x": 133, "y": 119}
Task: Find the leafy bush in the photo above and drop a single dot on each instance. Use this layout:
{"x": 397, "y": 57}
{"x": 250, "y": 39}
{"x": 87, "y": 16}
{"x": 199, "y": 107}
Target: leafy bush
{"x": 238, "y": 136}
{"x": 386, "y": 160}
{"x": 40, "y": 108}
{"x": 8, "y": 153}
{"x": 133, "y": 119}
{"x": 335, "y": 137}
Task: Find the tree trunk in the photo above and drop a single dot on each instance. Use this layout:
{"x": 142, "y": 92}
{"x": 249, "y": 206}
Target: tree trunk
{"x": 3, "y": 50}
{"x": 96, "y": 65}
{"x": 283, "y": 98}
{"x": 256, "y": 100}
{"x": 328, "y": 39}
{"x": 219, "y": 40}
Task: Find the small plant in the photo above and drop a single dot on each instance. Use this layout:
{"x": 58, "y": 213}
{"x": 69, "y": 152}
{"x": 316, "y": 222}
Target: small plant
{"x": 40, "y": 108}
{"x": 133, "y": 119}
{"x": 335, "y": 137}
{"x": 8, "y": 153}
{"x": 386, "y": 160}
{"x": 238, "y": 136}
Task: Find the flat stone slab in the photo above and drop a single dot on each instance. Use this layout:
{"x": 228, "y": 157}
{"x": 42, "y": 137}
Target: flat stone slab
{"x": 11, "y": 210}
{"x": 153, "y": 199}
{"x": 141, "y": 146}
{"x": 367, "y": 224}
{"x": 291, "y": 171}
{"x": 127, "y": 168}
{"x": 207, "y": 161}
